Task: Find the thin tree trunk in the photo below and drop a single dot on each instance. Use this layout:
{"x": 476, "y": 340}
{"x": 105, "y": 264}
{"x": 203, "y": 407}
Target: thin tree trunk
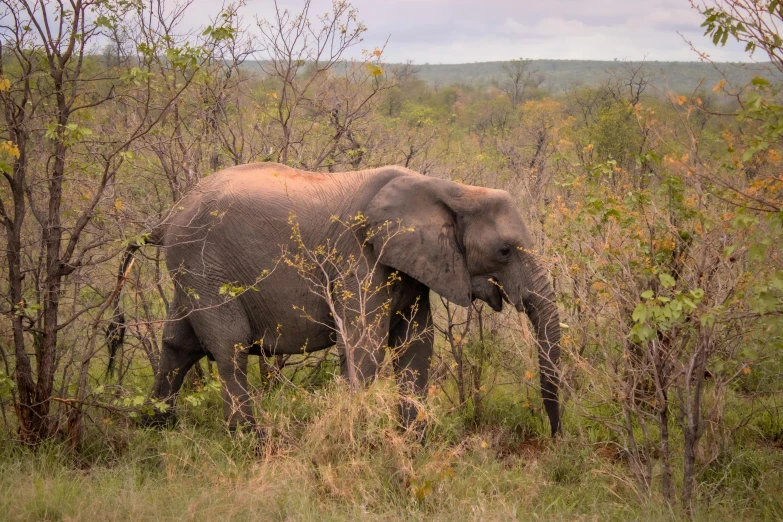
{"x": 23, "y": 373}
{"x": 692, "y": 428}
{"x": 666, "y": 475}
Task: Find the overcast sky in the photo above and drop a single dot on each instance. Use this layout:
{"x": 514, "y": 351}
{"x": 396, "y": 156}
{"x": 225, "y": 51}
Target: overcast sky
{"x": 458, "y": 31}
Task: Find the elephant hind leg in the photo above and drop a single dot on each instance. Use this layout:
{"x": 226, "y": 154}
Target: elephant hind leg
{"x": 181, "y": 350}
{"x": 227, "y": 336}
{"x": 237, "y": 407}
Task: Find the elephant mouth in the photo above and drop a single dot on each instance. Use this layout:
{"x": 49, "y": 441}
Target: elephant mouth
{"x": 497, "y": 295}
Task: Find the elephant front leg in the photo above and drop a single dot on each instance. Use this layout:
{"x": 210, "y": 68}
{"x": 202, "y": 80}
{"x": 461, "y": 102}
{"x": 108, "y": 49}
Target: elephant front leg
{"x": 412, "y": 342}
{"x": 226, "y": 334}
{"x": 362, "y": 326}
{"x": 362, "y": 350}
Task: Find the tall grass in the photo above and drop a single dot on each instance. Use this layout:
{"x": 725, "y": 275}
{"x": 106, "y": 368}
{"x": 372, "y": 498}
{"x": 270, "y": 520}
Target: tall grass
{"x": 338, "y": 455}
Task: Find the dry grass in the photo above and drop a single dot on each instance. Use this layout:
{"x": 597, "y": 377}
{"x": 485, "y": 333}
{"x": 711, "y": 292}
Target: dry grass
{"x": 344, "y": 458}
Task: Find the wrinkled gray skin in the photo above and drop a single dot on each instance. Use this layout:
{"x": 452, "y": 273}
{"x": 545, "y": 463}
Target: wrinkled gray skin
{"x": 467, "y": 243}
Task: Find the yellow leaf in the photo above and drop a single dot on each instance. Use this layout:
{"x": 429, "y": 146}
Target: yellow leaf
{"x": 118, "y": 204}
{"x": 10, "y": 148}
{"x": 374, "y": 70}
{"x": 5, "y": 84}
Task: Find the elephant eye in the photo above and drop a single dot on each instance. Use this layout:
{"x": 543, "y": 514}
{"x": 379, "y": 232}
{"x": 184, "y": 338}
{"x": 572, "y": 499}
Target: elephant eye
{"x": 505, "y": 251}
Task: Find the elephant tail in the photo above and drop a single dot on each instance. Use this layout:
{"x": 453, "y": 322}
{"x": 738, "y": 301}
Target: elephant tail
{"x": 115, "y": 332}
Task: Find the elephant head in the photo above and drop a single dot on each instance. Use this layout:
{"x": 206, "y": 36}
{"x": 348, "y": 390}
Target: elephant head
{"x": 471, "y": 243}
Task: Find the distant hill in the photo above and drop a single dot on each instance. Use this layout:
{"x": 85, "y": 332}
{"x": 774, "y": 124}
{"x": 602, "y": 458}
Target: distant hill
{"x": 559, "y": 75}
{"x": 562, "y": 74}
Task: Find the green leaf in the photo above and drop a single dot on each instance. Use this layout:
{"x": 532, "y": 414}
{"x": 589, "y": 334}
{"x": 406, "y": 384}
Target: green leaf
{"x": 777, "y": 280}
{"x": 716, "y": 37}
{"x": 756, "y": 252}
{"x": 640, "y": 313}
{"x": 103, "y": 21}
{"x": 666, "y": 280}
{"x": 767, "y": 302}
{"x": 219, "y": 33}
{"x": 642, "y": 332}
{"x": 758, "y": 80}
{"x": 648, "y": 294}
{"x": 743, "y": 221}
{"x": 749, "y": 353}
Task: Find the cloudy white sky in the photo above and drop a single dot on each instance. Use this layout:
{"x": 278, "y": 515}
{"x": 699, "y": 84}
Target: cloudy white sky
{"x": 458, "y": 31}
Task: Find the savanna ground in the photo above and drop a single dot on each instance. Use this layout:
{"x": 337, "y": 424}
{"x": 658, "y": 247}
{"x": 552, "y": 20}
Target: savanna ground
{"x": 658, "y": 214}
{"x": 338, "y": 456}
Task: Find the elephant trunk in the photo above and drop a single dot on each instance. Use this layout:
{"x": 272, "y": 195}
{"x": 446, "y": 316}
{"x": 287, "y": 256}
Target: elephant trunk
{"x": 541, "y": 308}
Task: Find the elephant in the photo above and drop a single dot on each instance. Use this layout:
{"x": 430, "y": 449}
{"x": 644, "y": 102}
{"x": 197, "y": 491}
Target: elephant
{"x": 463, "y": 242}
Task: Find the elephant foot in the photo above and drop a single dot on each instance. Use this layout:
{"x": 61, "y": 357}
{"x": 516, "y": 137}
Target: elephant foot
{"x": 259, "y": 432}
{"x": 420, "y": 433}
{"x": 410, "y": 422}
{"x": 260, "y": 435}
{"x": 158, "y": 420}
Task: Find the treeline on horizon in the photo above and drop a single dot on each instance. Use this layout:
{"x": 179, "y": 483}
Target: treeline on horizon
{"x": 560, "y": 75}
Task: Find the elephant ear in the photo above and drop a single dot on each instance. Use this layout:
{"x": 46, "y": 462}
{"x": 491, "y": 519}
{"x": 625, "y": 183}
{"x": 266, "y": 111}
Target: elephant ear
{"x": 427, "y": 246}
